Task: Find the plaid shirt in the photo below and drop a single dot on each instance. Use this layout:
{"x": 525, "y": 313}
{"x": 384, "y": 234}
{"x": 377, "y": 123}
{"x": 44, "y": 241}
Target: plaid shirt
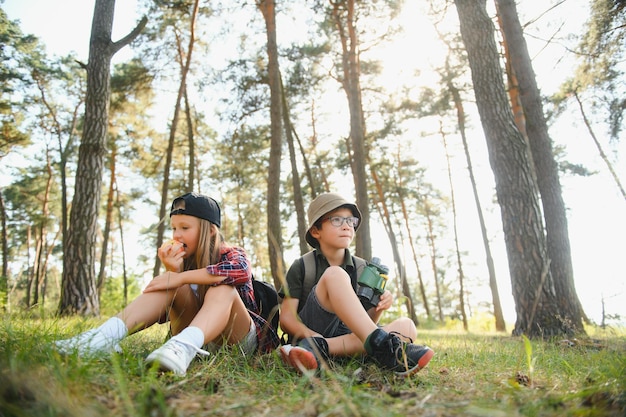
{"x": 234, "y": 266}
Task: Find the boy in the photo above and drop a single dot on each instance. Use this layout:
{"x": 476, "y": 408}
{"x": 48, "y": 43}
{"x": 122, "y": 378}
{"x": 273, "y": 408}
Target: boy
{"x": 330, "y": 320}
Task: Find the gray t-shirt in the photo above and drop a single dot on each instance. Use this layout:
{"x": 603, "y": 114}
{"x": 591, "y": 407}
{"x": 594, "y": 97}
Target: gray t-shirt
{"x": 296, "y": 274}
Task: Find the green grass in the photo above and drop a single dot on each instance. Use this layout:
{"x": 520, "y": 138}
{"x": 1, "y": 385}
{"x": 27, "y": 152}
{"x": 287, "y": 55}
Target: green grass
{"x": 483, "y": 375}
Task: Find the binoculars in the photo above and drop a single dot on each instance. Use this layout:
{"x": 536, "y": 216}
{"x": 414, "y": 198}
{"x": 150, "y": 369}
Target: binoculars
{"x": 371, "y": 283}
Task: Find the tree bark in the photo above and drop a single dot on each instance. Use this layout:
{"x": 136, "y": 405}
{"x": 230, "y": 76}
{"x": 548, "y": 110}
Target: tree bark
{"x": 405, "y": 216}
{"x": 191, "y": 140}
{"x": 78, "y": 288}
{"x": 343, "y": 14}
{"x": 274, "y": 235}
{"x": 42, "y": 250}
{"x": 185, "y": 64}
{"x": 493, "y": 282}
{"x": 324, "y": 183}
{"x": 546, "y": 168}
{"x": 295, "y": 174}
{"x": 120, "y": 218}
{"x": 533, "y": 287}
{"x": 603, "y": 154}
{"x": 108, "y": 219}
{"x": 456, "y": 234}
{"x": 386, "y": 216}
{"x": 4, "y": 273}
{"x": 430, "y": 237}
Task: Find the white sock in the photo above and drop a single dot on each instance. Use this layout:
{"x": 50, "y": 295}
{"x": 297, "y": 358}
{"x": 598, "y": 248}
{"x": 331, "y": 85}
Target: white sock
{"x": 191, "y": 336}
{"x": 114, "y": 328}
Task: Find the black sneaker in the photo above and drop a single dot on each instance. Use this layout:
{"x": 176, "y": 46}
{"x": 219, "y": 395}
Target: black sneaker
{"x": 309, "y": 354}
{"x": 390, "y": 352}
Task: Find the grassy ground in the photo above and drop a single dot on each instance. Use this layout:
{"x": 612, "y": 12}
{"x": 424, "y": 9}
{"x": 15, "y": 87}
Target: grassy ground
{"x": 471, "y": 375}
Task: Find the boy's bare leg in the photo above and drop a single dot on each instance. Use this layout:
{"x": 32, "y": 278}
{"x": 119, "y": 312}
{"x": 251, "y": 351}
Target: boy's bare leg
{"x": 335, "y": 293}
{"x": 350, "y": 344}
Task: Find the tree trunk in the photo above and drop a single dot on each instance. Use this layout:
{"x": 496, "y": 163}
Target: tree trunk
{"x": 603, "y": 154}
{"x": 120, "y": 218}
{"x": 456, "y": 235}
{"x": 191, "y": 174}
{"x": 430, "y": 237}
{"x": 78, "y": 288}
{"x": 79, "y": 293}
{"x": 386, "y": 216}
{"x": 321, "y": 168}
{"x": 295, "y": 174}
{"x": 533, "y": 288}
{"x": 491, "y": 269}
{"x": 305, "y": 158}
{"x": 343, "y": 14}
{"x": 546, "y": 168}
{"x": 274, "y": 235}
{"x": 46, "y": 262}
{"x": 108, "y": 219}
{"x": 185, "y": 63}
{"x": 37, "y": 263}
{"x": 4, "y": 273}
{"x": 513, "y": 87}
{"x": 41, "y": 259}
{"x": 405, "y": 216}
{"x": 29, "y": 270}
{"x": 64, "y": 152}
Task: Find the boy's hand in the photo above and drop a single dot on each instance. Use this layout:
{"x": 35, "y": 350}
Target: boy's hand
{"x": 386, "y": 300}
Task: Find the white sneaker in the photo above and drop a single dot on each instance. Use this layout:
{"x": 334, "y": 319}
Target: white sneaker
{"x": 175, "y": 356}
{"x": 89, "y": 343}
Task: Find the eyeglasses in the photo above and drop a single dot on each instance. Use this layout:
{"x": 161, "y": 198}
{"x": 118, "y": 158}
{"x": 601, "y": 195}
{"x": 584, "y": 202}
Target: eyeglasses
{"x": 338, "y": 221}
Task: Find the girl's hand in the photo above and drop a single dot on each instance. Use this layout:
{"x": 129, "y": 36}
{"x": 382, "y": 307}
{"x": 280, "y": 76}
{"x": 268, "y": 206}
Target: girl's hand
{"x": 171, "y": 254}
{"x": 386, "y": 300}
{"x": 166, "y": 281}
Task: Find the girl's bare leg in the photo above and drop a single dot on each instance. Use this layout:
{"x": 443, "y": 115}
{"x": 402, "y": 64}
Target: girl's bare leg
{"x": 223, "y": 316}
{"x": 179, "y": 306}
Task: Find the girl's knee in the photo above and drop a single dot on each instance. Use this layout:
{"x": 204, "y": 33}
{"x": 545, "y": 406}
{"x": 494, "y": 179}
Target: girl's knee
{"x": 221, "y": 289}
{"x": 221, "y": 293}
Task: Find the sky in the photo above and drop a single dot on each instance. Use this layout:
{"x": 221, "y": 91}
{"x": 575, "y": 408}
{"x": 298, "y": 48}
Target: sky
{"x": 597, "y": 212}
{"x": 69, "y": 29}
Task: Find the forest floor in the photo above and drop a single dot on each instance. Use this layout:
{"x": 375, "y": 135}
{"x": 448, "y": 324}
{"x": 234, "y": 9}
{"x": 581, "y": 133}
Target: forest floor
{"x": 471, "y": 374}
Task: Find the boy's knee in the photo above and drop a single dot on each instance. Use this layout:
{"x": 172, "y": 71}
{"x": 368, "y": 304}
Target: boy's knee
{"x": 333, "y": 286}
{"x": 333, "y": 282}
{"x": 335, "y": 274}
{"x": 408, "y": 327}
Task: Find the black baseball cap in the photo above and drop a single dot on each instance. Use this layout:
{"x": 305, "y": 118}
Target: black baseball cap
{"x": 197, "y": 205}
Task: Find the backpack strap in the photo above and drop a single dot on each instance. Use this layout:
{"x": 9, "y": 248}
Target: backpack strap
{"x": 359, "y": 265}
{"x": 309, "y": 266}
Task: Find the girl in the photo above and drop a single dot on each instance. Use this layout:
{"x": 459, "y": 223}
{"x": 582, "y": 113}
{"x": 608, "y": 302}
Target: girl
{"x": 206, "y": 294}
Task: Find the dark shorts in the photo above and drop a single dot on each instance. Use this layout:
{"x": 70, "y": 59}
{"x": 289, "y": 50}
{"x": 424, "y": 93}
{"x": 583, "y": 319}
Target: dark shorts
{"x": 320, "y": 320}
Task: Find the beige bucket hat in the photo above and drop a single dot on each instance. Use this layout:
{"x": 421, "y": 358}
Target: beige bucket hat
{"x": 324, "y": 204}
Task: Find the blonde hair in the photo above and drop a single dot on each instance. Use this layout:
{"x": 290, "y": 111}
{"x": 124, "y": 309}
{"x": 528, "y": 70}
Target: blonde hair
{"x": 210, "y": 242}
